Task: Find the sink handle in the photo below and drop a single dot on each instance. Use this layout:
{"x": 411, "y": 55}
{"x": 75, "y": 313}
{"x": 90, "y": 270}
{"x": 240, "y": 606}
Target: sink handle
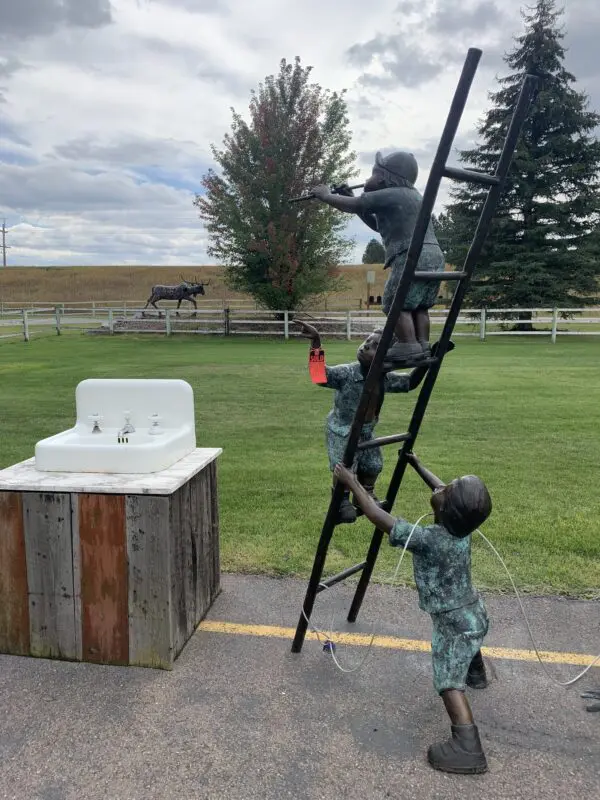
{"x": 154, "y": 428}
{"x": 95, "y": 419}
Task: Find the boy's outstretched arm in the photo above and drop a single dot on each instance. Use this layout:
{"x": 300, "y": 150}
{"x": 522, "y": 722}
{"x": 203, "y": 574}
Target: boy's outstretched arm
{"x": 351, "y": 205}
{"x": 367, "y": 218}
{"x": 310, "y": 332}
{"x": 430, "y": 479}
{"x": 320, "y": 373}
{"x": 379, "y": 517}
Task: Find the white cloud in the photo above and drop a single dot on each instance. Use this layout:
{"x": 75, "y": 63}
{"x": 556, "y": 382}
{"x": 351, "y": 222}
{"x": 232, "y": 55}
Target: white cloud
{"x": 108, "y": 109}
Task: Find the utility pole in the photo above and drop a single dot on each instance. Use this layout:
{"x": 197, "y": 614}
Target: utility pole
{"x": 5, "y": 247}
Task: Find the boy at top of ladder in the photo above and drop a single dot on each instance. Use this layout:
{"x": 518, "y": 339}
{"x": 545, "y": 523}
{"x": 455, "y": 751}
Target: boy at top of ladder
{"x": 390, "y": 204}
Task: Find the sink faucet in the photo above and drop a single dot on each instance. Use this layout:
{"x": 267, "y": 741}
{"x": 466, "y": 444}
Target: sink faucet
{"x": 128, "y": 427}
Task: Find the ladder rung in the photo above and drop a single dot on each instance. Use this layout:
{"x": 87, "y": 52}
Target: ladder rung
{"x": 470, "y": 175}
{"x": 440, "y": 276}
{"x": 398, "y": 437}
{"x": 341, "y": 576}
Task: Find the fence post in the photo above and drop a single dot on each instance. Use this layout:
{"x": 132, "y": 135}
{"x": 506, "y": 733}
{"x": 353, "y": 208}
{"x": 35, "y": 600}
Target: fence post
{"x": 93, "y": 308}
{"x": 348, "y": 325}
{"x": 25, "y": 325}
{"x": 110, "y": 321}
{"x": 226, "y": 321}
{"x": 286, "y": 324}
{"x": 168, "y": 321}
{"x": 57, "y": 318}
{"x": 554, "y": 324}
{"x": 482, "y": 323}
{"x": 125, "y": 310}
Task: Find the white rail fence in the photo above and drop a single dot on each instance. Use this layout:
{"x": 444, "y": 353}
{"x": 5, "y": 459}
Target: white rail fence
{"x": 26, "y": 323}
{"x": 119, "y": 306}
{"x": 95, "y": 307}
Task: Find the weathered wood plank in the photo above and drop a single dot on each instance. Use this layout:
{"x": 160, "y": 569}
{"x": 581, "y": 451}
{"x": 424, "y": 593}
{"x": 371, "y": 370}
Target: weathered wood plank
{"x": 148, "y": 549}
{"x": 14, "y": 602}
{"x": 193, "y": 558}
{"x": 214, "y": 534}
{"x": 182, "y": 559}
{"x": 76, "y": 574}
{"x": 104, "y": 578}
{"x": 178, "y": 614}
{"x": 199, "y": 582}
{"x": 47, "y": 522}
{"x": 205, "y": 531}
{"x": 195, "y": 577}
{"x": 204, "y": 516}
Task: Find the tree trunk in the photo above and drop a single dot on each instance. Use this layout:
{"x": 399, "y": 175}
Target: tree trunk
{"x": 525, "y": 325}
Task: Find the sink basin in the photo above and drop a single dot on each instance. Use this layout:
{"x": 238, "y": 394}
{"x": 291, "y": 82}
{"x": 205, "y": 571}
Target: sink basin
{"x": 161, "y": 411}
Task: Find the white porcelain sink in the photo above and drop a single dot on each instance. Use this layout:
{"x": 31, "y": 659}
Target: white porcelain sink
{"x": 161, "y": 411}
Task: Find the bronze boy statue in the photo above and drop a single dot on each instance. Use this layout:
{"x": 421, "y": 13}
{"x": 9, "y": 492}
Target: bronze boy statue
{"x": 348, "y": 381}
{"x": 442, "y": 569}
{"x": 390, "y": 205}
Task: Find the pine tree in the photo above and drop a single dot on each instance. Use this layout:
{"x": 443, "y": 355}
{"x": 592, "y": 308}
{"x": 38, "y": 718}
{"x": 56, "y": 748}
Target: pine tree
{"x": 374, "y": 253}
{"x": 541, "y": 248}
{"x": 297, "y": 137}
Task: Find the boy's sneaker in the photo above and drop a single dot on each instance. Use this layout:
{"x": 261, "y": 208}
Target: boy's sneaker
{"x": 403, "y": 354}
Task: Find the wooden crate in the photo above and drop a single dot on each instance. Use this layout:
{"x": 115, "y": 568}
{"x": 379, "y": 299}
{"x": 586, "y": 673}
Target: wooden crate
{"x": 107, "y": 576}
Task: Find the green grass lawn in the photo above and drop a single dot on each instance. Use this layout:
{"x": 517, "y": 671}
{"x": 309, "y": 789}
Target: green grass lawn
{"x": 520, "y": 412}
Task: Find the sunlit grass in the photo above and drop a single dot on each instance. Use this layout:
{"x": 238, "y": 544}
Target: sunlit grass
{"x": 522, "y": 413}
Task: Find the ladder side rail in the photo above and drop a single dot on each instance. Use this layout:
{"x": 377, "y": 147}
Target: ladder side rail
{"x": 317, "y": 570}
{"x": 458, "y": 104}
{"x": 435, "y": 176}
{"x": 481, "y": 232}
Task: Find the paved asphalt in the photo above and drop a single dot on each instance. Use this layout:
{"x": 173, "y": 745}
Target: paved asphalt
{"x": 240, "y": 717}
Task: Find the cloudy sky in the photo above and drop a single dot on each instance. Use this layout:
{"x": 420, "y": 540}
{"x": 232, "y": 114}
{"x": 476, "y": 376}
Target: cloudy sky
{"x": 108, "y": 107}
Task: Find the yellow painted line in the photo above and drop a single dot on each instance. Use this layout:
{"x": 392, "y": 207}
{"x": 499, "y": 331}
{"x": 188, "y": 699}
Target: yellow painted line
{"x": 392, "y": 643}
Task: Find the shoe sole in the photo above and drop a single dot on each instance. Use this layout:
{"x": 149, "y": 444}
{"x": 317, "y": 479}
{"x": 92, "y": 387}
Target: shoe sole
{"x": 480, "y": 770}
{"x": 413, "y": 362}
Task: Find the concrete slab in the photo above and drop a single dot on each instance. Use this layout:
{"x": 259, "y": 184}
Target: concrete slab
{"x": 242, "y": 717}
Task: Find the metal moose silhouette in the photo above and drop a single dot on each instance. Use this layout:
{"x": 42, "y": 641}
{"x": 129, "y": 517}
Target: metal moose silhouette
{"x": 186, "y": 290}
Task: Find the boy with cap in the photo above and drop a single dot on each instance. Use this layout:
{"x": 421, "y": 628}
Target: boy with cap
{"x": 389, "y": 205}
